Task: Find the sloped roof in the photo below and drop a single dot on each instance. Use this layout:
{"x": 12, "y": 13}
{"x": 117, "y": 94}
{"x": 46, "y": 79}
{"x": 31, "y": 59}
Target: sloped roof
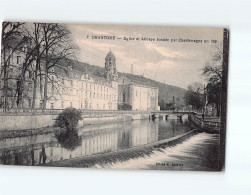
{"x": 110, "y": 55}
{"x": 139, "y": 80}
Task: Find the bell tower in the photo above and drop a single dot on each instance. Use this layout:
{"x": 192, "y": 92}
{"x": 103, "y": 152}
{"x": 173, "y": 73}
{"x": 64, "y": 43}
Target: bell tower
{"x": 110, "y": 67}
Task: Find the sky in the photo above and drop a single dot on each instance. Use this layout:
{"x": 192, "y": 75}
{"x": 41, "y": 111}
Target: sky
{"x": 173, "y": 62}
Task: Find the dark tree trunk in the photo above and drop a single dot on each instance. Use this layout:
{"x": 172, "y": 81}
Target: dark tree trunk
{"x": 45, "y": 88}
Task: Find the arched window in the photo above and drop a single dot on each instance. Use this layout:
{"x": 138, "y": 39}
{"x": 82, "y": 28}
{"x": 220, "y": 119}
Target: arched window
{"x": 124, "y": 97}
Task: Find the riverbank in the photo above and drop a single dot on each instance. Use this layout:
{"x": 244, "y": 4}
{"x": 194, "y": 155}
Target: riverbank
{"x": 208, "y": 125}
{"x": 31, "y": 121}
{"x": 122, "y": 155}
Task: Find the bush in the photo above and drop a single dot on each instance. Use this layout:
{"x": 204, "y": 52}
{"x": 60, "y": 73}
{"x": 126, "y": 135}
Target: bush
{"x": 67, "y": 136}
{"x": 68, "y": 119}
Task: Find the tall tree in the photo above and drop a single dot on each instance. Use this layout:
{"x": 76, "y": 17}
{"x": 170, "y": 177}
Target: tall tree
{"x": 12, "y": 40}
{"x": 213, "y": 73}
{"x": 194, "y": 96}
{"x": 58, "y": 45}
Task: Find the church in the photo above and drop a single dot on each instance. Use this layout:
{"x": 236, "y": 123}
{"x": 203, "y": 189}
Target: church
{"x": 82, "y": 90}
{"x": 71, "y": 85}
{"x": 134, "y": 94}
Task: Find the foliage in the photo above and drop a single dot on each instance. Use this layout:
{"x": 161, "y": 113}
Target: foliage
{"x": 67, "y": 136}
{"x": 194, "y": 96}
{"x": 42, "y": 46}
{"x": 213, "y": 72}
{"x": 167, "y": 106}
{"x": 68, "y": 139}
{"x": 68, "y": 119}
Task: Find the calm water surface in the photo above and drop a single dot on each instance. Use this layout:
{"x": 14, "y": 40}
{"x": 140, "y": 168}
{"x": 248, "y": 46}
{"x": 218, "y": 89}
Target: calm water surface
{"x": 89, "y": 140}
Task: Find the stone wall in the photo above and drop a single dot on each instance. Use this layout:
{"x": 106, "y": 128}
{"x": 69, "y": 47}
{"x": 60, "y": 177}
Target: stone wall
{"x": 30, "y": 121}
{"x": 22, "y": 122}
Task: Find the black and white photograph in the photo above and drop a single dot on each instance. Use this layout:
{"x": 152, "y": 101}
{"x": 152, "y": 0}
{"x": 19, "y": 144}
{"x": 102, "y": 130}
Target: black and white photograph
{"x": 105, "y": 96}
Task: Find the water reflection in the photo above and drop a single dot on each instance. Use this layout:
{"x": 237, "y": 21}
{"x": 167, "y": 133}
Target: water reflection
{"x": 68, "y": 139}
{"x": 89, "y": 140}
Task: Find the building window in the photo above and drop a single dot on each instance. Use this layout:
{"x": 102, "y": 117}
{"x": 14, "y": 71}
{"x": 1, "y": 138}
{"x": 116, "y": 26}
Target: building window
{"x": 18, "y": 59}
{"x": 123, "y": 97}
{"x": 30, "y": 74}
{"x": 136, "y": 93}
{"x": 90, "y": 86}
{"x": 100, "y": 96}
{"x": 104, "y": 96}
{"x": 90, "y": 106}
{"x": 29, "y": 87}
{"x": 101, "y": 88}
{"x": 93, "y": 95}
{"x": 81, "y": 105}
{"x": 52, "y": 106}
{"x": 29, "y": 103}
{"x": 90, "y": 94}
{"x": 52, "y": 90}
{"x": 94, "y": 87}
{"x": 70, "y": 104}
{"x": 41, "y": 104}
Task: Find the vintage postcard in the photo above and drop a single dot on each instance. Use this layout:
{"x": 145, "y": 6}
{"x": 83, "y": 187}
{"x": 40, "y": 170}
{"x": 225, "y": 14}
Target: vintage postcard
{"x": 113, "y": 96}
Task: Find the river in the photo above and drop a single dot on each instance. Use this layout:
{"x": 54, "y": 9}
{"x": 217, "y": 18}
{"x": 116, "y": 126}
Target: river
{"x": 102, "y": 139}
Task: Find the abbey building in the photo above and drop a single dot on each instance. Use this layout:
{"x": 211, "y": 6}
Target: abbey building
{"x": 79, "y": 89}
{"x": 70, "y": 84}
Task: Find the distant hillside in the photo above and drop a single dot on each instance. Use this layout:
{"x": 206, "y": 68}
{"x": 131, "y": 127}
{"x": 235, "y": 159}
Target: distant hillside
{"x": 166, "y": 92}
